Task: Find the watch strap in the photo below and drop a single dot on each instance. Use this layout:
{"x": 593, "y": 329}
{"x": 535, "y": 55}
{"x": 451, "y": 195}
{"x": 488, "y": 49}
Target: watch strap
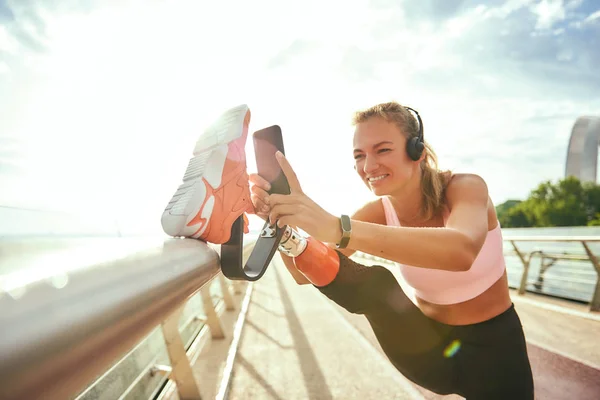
{"x": 346, "y": 231}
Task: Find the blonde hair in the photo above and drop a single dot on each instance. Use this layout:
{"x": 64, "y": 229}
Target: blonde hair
{"x": 433, "y": 181}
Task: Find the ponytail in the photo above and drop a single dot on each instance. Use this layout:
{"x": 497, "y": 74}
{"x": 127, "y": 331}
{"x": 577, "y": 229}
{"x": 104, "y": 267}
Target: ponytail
{"x": 433, "y": 184}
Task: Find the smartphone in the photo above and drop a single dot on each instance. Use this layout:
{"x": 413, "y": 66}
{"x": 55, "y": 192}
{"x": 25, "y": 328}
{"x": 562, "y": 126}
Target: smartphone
{"x": 267, "y": 142}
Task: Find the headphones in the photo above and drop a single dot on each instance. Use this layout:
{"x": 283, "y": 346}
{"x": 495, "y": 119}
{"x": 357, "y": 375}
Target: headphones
{"x": 415, "y": 146}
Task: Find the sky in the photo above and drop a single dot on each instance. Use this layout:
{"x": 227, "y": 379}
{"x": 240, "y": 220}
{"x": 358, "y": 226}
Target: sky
{"x": 102, "y": 101}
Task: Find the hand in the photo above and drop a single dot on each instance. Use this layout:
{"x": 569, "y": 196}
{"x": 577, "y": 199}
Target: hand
{"x": 259, "y": 195}
{"x": 297, "y": 209}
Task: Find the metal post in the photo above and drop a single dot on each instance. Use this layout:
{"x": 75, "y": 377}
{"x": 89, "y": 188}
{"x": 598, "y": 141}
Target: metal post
{"x": 545, "y": 263}
{"x": 525, "y": 268}
{"x": 595, "y": 303}
{"x": 212, "y": 319}
{"x": 225, "y": 289}
{"x": 181, "y": 370}
{"x": 237, "y": 287}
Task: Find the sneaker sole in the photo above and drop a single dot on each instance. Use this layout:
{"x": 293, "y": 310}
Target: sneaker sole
{"x": 189, "y": 211}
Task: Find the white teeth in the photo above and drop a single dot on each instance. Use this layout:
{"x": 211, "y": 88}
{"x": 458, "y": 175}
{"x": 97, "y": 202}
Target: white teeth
{"x": 377, "y": 178}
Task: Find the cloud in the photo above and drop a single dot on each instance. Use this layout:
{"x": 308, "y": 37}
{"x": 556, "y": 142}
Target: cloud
{"x": 11, "y": 156}
{"x": 6, "y": 13}
{"x": 26, "y": 25}
{"x": 548, "y": 13}
{"x": 499, "y": 83}
{"x": 592, "y": 18}
{"x": 8, "y": 168}
{"x": 483, "y": 42}
{"x": 296, "y": 50}
{"x": 119, "y": 89}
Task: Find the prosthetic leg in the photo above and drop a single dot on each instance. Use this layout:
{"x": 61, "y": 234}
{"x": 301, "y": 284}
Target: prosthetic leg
{"x": 318, "y": 262}
{"x": 315, "y": 260}
{"x": 232, "y": 263}
{"x": 312, "y": 258}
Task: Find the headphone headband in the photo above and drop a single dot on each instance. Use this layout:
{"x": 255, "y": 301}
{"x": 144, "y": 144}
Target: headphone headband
{"x": 416, "y": 145}
{"x": 420, "y": 133}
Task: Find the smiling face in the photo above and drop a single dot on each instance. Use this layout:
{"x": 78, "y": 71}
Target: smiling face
{"x": 381, "y": 159}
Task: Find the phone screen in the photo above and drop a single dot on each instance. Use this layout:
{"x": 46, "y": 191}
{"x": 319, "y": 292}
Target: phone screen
{"x": 267, "y": 142}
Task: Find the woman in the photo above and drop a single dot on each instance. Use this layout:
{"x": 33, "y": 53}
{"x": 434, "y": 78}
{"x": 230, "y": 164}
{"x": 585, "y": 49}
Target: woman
{"x": 459, "y": 333}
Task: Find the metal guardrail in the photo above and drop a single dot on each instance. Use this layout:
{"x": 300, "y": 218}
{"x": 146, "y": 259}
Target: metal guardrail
{"x": 80, "y": 312}
{"x": 552, "y": 257}
{"x": 59, "y": 334}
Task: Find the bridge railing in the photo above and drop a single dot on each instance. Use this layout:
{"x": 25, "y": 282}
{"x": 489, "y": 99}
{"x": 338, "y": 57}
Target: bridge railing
{"x": 70, "y": 317}
{"x": 549, "y": 257}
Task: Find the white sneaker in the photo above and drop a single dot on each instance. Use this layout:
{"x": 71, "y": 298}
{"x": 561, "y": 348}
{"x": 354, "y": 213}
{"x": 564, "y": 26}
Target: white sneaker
{"x": 215, "y": 189}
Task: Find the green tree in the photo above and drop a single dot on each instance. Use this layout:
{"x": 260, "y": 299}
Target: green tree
{"x": 536, "y": 205}
{"x": 516, "y": 217}
{"x": 596, "y": 221}
{"x": 566, "y": 203}
{"x": 592, "y": 202}
{"x": 502, "y": 211}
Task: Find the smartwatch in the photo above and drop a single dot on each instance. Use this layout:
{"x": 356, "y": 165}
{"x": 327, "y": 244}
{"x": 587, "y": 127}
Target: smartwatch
{"x": 346, "y": 231}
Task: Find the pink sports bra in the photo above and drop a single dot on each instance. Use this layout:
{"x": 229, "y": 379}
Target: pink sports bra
{"x": 449, "y": 287}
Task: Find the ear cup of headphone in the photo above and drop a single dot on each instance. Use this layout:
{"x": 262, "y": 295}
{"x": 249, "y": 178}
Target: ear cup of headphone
{"x": 414, "y": 148}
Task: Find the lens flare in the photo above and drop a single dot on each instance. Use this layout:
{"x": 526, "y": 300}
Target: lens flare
{"x": 452, "y": 348}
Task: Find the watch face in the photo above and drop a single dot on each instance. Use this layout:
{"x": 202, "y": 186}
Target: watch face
{"x": 346, "y": 226}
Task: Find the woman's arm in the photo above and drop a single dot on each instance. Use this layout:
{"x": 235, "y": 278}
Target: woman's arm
{"x": 369, "y": 212}
{"x": 452, "y": 248}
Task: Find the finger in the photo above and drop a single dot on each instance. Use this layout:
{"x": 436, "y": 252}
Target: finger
{"x": 259, "y": 205}
{"x": 260, "y": 193}
{"x": 289, "y": 173}
{"x": 281, "y": 210}
{"x": 275, "y": 199}
{"x": 263, "y": 216}
{"x": 287, "y": 220}
{"x": 259, "y": 181}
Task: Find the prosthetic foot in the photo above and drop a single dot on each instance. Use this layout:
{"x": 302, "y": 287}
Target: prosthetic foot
{"x": 232, "y": 263}
{"x": 315, "y": 260}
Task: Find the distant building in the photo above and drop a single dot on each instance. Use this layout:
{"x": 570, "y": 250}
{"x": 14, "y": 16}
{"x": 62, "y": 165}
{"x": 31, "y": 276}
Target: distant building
{"x": 582, "y": 154}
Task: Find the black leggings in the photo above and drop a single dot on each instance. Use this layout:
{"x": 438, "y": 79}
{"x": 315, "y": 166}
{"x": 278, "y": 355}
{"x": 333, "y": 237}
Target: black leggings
{"x": 482, "y": 361}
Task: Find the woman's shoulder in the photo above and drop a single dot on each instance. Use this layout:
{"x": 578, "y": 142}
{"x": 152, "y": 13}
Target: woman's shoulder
{"x": 371, "y": 211}
{"x": 473, "y": 189}
{"x": 465, "y": 184}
